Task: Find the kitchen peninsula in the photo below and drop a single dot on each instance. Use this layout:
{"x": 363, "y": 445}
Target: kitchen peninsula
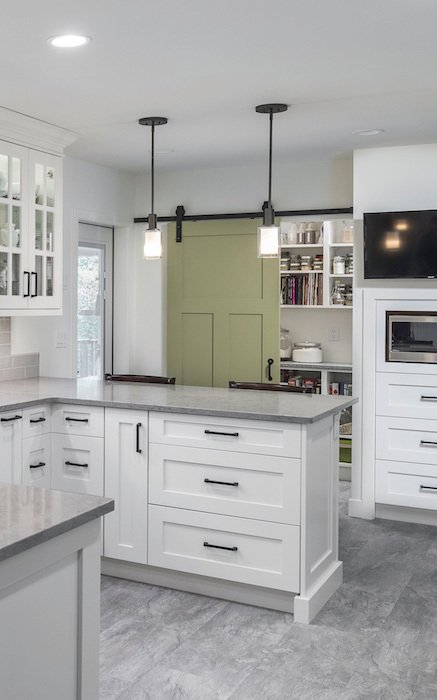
{"x": 49, "y": 592}
{"x": 223, "y": 492}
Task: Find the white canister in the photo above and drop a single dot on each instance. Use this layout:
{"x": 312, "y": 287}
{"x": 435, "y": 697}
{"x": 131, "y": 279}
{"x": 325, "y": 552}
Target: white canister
{"x": 307, "y": 352}
{"x": 338, "y": 265}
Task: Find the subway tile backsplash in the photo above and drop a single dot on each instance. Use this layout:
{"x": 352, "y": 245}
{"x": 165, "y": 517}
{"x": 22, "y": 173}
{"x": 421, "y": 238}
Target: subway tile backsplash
{"x": 15, "y": 366}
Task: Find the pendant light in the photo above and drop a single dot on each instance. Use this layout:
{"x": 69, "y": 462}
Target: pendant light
{"x": 268, "y": 233}
{"x": 152, "y": 235}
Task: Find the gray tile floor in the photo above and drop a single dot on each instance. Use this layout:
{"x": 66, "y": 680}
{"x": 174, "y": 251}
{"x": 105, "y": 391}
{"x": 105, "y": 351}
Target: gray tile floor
{"x": 376, "y": 639}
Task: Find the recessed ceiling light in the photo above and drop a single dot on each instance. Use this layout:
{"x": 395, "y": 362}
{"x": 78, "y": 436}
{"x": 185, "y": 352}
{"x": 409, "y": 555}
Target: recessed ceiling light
{"x": 69, "y": 41}
{"x": 368, "y": 132}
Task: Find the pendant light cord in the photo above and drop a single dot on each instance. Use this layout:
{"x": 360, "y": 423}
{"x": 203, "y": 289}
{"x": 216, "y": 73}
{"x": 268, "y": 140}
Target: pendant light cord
{"x": 270, "y": 158}
{"x": 153, "y": 170}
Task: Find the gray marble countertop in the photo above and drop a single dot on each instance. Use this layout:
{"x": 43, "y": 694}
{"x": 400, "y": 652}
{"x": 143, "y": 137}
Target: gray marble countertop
{"x": 197, "y": 400}
{"x": 31, "y": 515}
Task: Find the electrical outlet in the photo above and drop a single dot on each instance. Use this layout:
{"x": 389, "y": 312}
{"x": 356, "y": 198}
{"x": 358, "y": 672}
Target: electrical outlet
{"x": 334, "y": 334}
{"x": 61, "y": 339}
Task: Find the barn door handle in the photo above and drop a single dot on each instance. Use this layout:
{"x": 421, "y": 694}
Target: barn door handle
{"x": 270, "y": 361}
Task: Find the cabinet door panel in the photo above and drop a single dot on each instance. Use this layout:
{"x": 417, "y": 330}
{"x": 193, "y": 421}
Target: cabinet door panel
{"x": 126, "y": 482}
{"x": 77, "y": 464}
{"x": 11, "y": 447}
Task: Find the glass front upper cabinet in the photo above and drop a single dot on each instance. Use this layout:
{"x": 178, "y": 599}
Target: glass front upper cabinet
{"x": 13, "y": 213}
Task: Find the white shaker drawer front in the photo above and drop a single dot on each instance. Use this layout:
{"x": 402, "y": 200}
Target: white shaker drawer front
{"x": 262, "y": 437}
{"x": 77, "y": 464}
{"x": 78, "y": 420}
{"x": 406, "y": 484}
{"x": 36, "y": 461}
{"x": 409, "y": 396}
{"x": 36, "y": 421}
{"x": 405, "y": 440}
{"x": 236, "y": 549}
{"x": 244, "y": 485}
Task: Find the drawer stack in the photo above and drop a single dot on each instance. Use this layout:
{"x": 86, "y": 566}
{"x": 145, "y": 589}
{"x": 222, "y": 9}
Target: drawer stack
{"x": 406, "y": 440}
{"x": 36, "y": 446}
{"x": 77, "y": 448}
{"x": 224, "y": 498}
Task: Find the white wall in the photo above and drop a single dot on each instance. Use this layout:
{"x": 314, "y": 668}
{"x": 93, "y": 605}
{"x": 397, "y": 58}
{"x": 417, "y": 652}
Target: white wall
{"x": 94, "y": 194}
{"x": 296, "y": 185}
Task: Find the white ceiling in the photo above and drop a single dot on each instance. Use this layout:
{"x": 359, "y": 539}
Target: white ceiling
{"x": 342, "y": 65}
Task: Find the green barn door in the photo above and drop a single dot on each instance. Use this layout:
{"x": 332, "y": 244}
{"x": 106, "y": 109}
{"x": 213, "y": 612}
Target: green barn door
{"x": 222, "y": 305}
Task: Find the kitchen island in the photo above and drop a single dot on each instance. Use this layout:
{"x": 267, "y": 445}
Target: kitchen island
{"x": 225, "y": 492}
{"x": 49, "y": 593}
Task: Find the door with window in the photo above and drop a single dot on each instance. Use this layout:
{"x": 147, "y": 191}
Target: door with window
{"x": 94, "y": 301}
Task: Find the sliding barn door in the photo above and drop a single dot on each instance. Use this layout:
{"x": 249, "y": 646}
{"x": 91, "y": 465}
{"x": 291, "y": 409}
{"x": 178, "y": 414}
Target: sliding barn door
{"x": 222, "y": 305}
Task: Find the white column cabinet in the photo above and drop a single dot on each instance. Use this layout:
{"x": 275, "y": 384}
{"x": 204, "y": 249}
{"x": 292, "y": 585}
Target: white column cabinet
{"x": 11, "y": 431}
{"x": 126, "y": 457}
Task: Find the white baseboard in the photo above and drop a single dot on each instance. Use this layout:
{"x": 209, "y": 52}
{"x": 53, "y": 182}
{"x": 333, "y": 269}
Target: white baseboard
{"x": 406, "y": 515}
{"x": 361, "y": 509}
{"x": 306, "y": 607}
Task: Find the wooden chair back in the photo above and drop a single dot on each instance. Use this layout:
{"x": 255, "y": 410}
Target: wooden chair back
{"x": 143, "y": 378}
{"x": 270, "y": 387}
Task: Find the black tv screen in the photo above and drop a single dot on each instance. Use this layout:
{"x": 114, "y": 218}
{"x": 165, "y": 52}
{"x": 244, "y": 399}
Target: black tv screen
{"x": 400, "y": 244}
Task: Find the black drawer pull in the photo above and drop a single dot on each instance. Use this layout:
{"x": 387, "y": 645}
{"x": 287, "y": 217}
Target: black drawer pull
{"x": 223, "y": 483}
{"x": 428, "y": 398}
{"x": 8, "y": 420}
{"x": 37, "y": 466}
{"x": 37, "y": 420}
{"x": 75, "y": 464}
{"x": 77, "y": 420}
{"x": 137, "y": 447}
{"x": 216, "y": 432}
{"x": 422, "y": 487}
{"x": 428, "y": 443}
{"x": 217, "y": 546}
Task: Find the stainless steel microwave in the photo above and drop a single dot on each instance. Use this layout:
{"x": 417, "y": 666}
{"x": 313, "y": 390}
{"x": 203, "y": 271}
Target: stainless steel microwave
{"x": 411, "y": 336}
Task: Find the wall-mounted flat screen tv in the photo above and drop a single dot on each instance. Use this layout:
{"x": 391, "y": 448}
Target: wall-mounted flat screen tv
{"x": 400, "y": 244}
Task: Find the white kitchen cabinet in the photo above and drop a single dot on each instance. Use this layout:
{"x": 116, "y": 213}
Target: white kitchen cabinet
{"x": 11, "y": 431}
{"x": 77, "y": 464}
{"x": 36, "y": 421}
{"x": 126, "y": 459}
{"x": 74, "y": 419}
{"x": 36, "y": 461}
{"x": 30, "y": 230}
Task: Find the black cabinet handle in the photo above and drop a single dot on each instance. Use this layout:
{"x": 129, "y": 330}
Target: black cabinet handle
{"x": 422, "y": 487}
{"x": 27, "y": 294}
{"x": 75, "y": 464}
{"x": 37, "y": 466}
{"x": 37, "y": 420}
{"x": 223, "y": 483}
{"x": 428, "y": 398}
{"x": 137, "y": 448}
{"x": 8, "y": 420}
{"x": 428, "y": 443}
{"x": 77, "y": 420}
{"x": 217, "y": 546}
{"x": 270, "y": 361}
{"x": 216, "y": 432}
{"x": 36, "y": 284}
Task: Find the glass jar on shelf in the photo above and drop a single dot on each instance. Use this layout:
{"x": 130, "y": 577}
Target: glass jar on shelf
{"x": 285, "y": 344}
{"x": 337, "y": 298}
{"x": 338, "y": 265}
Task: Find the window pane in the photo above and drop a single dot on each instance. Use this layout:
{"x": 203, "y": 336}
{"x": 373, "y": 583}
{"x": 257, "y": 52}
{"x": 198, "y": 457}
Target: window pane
{"x": 16, "y": 178}
{"x": 50, "y": 187}
{"x": 39, "y": 184}
{"x": 16, "y": 276}
{"x": 49, "y": 232}
{"x": 4, "y": 228}
{"x": 38, "y": 270}
{"x": 49, "y": 276}
{"x": 4, "y": 176}
{"x": 3, "y": 273}
{"x": 16, "y": 226}
{"x": 38, "y": 229}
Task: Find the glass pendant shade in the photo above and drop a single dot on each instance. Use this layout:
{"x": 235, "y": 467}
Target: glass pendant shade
{"x": 152, "y": 244}
{"x": 268, "y": 241}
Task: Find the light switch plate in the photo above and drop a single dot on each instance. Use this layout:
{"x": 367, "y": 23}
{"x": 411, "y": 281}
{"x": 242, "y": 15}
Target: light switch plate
{"x": 61, "y": 339}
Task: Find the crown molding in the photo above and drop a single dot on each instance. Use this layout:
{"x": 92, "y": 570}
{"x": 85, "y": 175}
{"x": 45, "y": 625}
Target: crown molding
{"x": 34, "y": 133}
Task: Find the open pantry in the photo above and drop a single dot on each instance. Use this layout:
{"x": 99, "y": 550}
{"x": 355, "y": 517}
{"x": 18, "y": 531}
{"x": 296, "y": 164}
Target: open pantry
{"x": 316, "y": 296}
